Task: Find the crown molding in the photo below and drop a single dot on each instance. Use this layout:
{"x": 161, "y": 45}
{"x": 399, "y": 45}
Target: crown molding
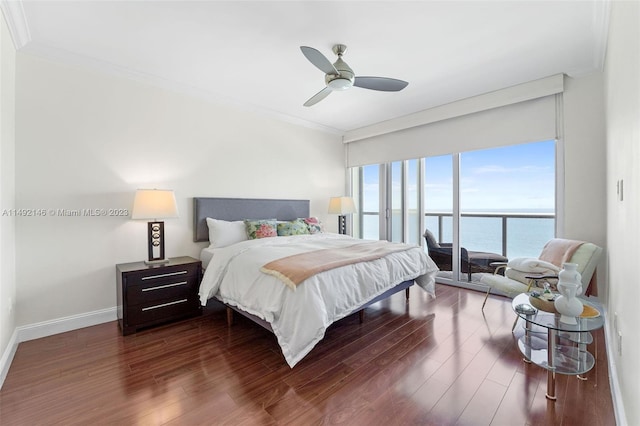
{"x": 13, "y": 12}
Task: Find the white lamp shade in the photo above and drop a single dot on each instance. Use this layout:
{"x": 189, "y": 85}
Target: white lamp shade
{"x": 341, "y": 205}
{"x": 154, "y": 204}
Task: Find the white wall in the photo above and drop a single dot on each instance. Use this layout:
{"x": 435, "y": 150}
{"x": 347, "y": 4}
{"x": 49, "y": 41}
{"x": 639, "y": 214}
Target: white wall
{"x": 584, "y": 165}
{"x": 7, "y": 194}
{"x": 622, "y": 77}
{"x": 88, "y": 140}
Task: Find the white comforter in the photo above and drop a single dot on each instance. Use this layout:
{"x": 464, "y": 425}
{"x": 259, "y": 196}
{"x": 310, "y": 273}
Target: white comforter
{"x": 300, "y": 317}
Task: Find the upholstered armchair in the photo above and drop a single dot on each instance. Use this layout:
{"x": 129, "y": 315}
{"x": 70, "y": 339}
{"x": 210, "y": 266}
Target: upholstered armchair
{"x": 523, "y": 273}
{"x": 470, "y": 261}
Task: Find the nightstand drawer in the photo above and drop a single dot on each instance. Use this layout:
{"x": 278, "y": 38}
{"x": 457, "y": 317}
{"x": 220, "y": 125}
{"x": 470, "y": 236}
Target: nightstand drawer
{"x": 148, "y": 313}
{"x": 155, "y": 277}
{"x": 164, "y": 289}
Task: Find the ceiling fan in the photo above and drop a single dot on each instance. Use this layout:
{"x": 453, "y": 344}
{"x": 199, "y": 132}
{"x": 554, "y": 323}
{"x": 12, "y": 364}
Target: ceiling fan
{"x": 339, "y": 76}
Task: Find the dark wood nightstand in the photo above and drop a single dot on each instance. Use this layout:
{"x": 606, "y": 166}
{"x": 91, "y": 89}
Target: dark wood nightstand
{"x": 153, "y": 294}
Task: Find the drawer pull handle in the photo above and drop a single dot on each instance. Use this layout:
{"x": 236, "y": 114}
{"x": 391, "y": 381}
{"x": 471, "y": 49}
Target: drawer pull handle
{"x": 163, "y": 305}
{"x": 164, "y": 286}
{"x": 172, "y": 274}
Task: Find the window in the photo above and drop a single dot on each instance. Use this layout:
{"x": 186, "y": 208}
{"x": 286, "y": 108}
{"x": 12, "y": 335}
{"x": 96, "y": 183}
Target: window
{"x": 369, "y": 211}
{"x": 498, "y": 200}
{"x": 413, "y": 208}
{"x": 508, "y": 193}
{"x": 397, "y": 201}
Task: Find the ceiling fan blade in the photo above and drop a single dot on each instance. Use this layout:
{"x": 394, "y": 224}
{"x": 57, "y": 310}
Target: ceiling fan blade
{"x": 380, "y": 83}
{"x": 319, "y": 60}
{"x": 318, "y": 97}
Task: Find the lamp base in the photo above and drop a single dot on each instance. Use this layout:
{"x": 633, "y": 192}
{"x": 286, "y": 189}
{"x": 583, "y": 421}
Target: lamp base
{"x": 342, "y": 224}
{"x": 156, "y": 242}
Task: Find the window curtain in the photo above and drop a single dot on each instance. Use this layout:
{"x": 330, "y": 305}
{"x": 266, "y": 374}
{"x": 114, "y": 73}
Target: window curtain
{"x": 520, "y": 114}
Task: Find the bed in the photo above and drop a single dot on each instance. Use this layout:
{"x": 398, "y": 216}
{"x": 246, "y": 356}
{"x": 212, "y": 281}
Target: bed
{"x": 243, "y": 273}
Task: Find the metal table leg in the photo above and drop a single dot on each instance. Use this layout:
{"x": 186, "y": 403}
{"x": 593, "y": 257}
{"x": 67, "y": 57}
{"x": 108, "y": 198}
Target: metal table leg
{"x": 551, "y": 373}
{"x": 582, "y": 352}
{"x": 527, "y": 340}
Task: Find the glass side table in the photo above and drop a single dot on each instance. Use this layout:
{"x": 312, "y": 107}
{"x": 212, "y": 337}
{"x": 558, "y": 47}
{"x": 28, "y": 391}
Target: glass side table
{"x": 553, "y": 345}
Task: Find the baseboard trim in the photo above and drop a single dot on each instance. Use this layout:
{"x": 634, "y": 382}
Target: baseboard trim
{"x": 614, "y": 382}
{"x": 7, "y": 356}
{"x": 49, "y": 328}
{"x": 61, "y": 325}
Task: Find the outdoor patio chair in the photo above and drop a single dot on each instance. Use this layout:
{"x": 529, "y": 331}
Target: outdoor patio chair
{"x": 470, "y": 261}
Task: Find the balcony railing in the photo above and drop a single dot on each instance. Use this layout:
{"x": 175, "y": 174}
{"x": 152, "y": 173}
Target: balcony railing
{"x": 504, "y": 219}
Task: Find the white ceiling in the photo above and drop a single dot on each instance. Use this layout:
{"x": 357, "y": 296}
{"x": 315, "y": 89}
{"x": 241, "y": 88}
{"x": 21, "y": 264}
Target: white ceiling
{"x": 247, "y": 53}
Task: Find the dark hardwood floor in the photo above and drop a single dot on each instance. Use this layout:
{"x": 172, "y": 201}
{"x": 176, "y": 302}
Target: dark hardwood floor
{"x": 429, "y": 362}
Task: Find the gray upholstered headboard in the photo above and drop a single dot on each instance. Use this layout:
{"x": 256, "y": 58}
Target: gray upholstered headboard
{"x": 243, "y": 208}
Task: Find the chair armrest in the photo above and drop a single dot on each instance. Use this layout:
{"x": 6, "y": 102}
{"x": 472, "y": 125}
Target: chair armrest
{"x": 441, "y": 250}
{"x": 448, "y": 248}
{"x": 499, "y": 266}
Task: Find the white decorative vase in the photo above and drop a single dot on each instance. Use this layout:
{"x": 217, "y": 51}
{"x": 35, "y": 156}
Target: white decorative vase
{"x": 570, "y": 286}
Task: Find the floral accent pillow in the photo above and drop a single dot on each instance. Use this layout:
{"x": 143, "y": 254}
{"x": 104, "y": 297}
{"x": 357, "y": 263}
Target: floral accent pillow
{"x": 261, "y": 228}
{"x": 314, "y": 225}
{"x": 294, "y": 227}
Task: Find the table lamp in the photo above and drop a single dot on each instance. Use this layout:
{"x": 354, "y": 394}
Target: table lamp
{"x": 342, "y": 206}
{"x": 155, "y": 204}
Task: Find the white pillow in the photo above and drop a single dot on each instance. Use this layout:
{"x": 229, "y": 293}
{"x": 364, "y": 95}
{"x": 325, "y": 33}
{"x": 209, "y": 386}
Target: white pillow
{"x": 223, "y": 233}
{"x": 530, "y": 264}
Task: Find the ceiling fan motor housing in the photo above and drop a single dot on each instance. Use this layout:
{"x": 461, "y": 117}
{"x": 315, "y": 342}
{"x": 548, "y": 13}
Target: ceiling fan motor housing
{"x": 343, "y": 80}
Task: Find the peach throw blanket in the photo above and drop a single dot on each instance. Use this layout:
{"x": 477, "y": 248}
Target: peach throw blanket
{"x": 559, "y": 251}
{"x": 292, "y": 270}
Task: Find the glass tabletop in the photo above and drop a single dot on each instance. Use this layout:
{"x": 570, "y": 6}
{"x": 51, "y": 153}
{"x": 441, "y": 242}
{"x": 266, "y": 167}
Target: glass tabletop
{"x": 551, "y": 320}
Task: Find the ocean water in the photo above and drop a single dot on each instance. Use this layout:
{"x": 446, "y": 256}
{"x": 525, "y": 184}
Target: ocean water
{"x": 525, "y": 236}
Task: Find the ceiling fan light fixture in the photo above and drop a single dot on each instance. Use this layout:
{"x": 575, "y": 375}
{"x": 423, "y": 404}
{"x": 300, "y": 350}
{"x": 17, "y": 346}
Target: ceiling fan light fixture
{"x": 340, "y": 83}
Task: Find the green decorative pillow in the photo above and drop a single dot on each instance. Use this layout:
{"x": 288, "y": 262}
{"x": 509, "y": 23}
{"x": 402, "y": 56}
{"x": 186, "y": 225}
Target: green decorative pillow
{"x": 261, "y": 228}
{"x": 314, "y": 225}
{"x": 294, "y": 227}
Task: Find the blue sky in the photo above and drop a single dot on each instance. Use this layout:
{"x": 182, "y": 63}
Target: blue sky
{"x": 518, "y": 177}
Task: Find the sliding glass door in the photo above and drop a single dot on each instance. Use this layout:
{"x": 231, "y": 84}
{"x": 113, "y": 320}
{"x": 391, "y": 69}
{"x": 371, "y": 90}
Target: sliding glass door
{"x": 396, "y": 199}
{"x": 474, "y": 208}
{"x": 413, "y": 202}
{"x": 369, "y": 202}
{"x": 404, "y": 196}
{"x": 438, "y": 207}
{"x": 507, "y": 199}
